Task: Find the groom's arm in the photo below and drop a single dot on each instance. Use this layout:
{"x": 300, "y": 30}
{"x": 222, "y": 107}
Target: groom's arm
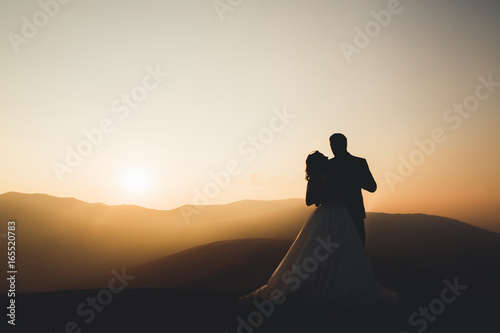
{"x": 368, "y": 182}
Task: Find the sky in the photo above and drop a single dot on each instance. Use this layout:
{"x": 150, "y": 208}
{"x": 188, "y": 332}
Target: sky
{"x": 165, "y": 103}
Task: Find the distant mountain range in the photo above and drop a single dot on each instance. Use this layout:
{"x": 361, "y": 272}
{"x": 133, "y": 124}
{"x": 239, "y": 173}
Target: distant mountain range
{"x": 64, "y": 243}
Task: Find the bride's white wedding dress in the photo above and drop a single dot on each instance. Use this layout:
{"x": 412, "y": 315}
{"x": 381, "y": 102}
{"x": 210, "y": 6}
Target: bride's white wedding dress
{"x": 326, "y": 265}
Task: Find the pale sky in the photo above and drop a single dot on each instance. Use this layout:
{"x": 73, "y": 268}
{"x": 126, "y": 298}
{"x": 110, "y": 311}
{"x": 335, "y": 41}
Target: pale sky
{"x": 206, "y": 80}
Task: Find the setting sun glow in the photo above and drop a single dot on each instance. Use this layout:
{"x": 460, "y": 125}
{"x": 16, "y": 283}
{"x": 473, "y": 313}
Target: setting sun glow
{"x": 135, "y": 180}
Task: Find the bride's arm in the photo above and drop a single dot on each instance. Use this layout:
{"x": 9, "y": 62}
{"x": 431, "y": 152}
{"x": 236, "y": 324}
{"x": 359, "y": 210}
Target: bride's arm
{"x": 311, "y": 193}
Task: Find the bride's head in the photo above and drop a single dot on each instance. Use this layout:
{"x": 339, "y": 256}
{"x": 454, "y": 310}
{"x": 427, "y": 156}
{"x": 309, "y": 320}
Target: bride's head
{"x": 316, "y": 164}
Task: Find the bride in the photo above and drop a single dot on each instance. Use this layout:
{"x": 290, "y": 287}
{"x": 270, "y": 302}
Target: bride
{"x": 327, "y": 263}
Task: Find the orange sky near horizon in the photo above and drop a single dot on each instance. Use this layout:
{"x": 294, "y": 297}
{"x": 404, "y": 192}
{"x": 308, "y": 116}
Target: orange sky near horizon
{"x": 165, "y": 103}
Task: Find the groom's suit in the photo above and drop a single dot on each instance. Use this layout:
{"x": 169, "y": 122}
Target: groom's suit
{"x": 353, "y": 174}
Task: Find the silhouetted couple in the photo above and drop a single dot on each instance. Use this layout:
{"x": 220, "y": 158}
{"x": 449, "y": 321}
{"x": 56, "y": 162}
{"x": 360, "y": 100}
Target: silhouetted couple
{"x": 327, "y": 264}
{"x": 341, "y": 179}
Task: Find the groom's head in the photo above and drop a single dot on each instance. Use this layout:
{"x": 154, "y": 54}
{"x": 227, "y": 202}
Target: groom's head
{"x": 338, "y": 143}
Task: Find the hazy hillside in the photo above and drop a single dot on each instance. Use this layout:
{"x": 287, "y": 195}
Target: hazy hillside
{"x": 434, "y": 242}
{"x": 62, "y": 243}
{"x": 225, "y": 265}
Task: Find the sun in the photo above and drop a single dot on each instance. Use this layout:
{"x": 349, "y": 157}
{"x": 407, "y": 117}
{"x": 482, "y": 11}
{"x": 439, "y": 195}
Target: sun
{"x": 136, "y": 179}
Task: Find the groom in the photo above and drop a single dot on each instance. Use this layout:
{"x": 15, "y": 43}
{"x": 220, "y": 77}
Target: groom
{"x": 354, "y": 175}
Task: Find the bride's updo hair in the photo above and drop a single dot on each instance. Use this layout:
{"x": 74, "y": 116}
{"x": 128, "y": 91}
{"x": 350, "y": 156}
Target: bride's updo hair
{"x": 316, "y": 164}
